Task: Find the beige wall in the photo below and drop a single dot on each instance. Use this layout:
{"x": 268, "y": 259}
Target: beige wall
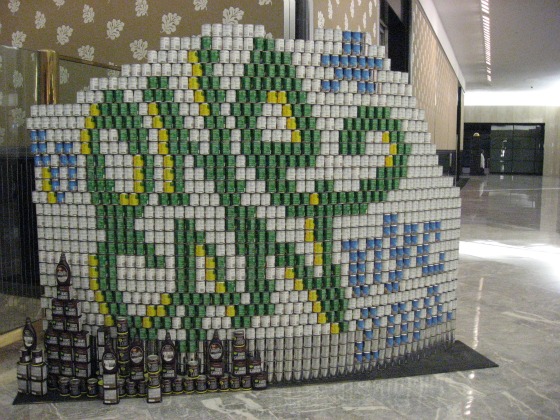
{"x": 435, "y": 83}
{"x": 548, "y": 115}
{"x": 352, "y": 15}
{"x": 120, "y": 31}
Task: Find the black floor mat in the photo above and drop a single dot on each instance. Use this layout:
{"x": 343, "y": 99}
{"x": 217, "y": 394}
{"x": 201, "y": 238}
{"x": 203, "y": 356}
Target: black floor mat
{"x": 457, "y": 357}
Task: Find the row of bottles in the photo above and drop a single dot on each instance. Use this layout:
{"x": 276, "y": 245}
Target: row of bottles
{"x": 152, "y": 369}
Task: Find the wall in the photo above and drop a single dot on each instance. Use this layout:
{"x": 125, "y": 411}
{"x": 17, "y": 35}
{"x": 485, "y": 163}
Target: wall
{"x": 548, "y": 115}
{"x": 353, "y": 15}
{"x": 434, "y": 80}
{"x": 121, "y": 31}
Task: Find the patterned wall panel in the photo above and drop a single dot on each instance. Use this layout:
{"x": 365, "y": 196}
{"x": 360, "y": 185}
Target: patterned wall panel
{"x": 360, "y": 15}
{"x": 122, "y": 31}
{"x": 435, "y": 83}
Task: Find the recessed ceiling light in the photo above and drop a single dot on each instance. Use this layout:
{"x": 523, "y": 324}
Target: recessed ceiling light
{"x": 485, "y": 11}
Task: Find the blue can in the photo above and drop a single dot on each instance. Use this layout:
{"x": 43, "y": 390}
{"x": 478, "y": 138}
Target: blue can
{"x": 396, "y": 286}
{"x": 415, "y": 304}
{"x": 378, "y": 243}
{"x": 346, "y": 245}
{"x": 372, "y": 311}
{"x": 352, "y": 280}
{"x": 364, "y": 313}
{"x": 325, "y": 60}
{"x": 362, "y": 87}
{"x": 46, "y": 160}
{"x": 72, "y": 172}
{"x": 38, "y": 161}
{"x": 59, "y": 147}
{"x": 353, "y": 61}
{"x": 346, "y": 36}
{"x": 326, "y": 85}
{"x": 33, "y": 135}
{"x": 361, "y": 268}
{"x": 72, "y": 160}
{"x": 365, "y": 287}
{"x": 42, "y": 135}
{"x": 390, "y": 329}
{"x": 370, "y": 64}
{"x": 335, "y": 60}
{"x": 392, "y": 276}
{"x": 358, "y": 357}
{"x": 377, "y": 277}
{"x": 353, "y": 268}
{"x": 34, "y": 148}
{"x": 348, "y": 74}
{"x": 353, "y": 256}
{"x": 335, "y": 86}
{"x": 390, "y": 342}
{"x": 55, "y": 184}
{"x": 362, "y": 255}
{"x": 360, "y": 324}
{"x": 63, "y": 160}
{"x": 356, "y": 291}
{"x": 362, "y": 62}
{"x": 377, "y": 321}
{"x": 55, "y": 173}
{"x": 73, "y": 185}
{"x": 356, "y": 49}
{"x": 368, "y": 334}
{"x": 357, "y": 36}
{"x": 42, "y": 147}
{"x": 68, "y": 148}
{"x": 343, "y": 61}
{"x": 339, "y": 73}
{"x": 370, "y": 243}
{"x": 60, "y": 197}
{"x": 416, "y": 335}
{"x": 397, "y": 340}
{"x": 378, "y": 63}
{"x": 346, "y": 48}
{"x": 356, "y": 74}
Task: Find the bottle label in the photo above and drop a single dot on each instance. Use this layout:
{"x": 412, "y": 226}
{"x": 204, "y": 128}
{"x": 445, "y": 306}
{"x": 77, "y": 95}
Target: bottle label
{"x": 167, "y": 353}
{"x": 109, "y": 362}
{"x": 136, "y": 355}
{"x": 215, "y": 351}
{"x": 28, "y": 339}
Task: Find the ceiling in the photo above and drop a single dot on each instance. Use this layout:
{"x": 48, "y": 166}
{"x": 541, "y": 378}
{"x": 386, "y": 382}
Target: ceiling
{"x": 525, "y": 45}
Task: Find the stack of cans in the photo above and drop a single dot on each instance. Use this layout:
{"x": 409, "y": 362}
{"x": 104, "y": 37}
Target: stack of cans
{"x": 285, "y": 188}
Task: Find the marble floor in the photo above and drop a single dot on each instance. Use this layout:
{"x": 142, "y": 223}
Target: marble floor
{"x": 15, "y": 309}
{"x": 509, "y": 310}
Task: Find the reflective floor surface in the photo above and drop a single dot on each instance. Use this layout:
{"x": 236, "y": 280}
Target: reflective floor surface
{"x": 509, "y": 310}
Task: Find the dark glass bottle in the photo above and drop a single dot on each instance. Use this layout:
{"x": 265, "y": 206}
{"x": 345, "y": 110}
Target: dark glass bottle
{"x": 29, "y": 335}
{"x": 216, "y": 356}
{"x": 136, "y": 356}
{"x": 63, "y": 273}
{"x": 168, "y": 358}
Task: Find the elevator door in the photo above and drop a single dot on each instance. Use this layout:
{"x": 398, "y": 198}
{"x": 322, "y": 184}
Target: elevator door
{"x": 516, "y": 149}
